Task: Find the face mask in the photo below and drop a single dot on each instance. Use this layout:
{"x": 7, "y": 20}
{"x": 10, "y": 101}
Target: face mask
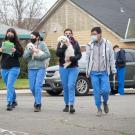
{"x": 117, "y": 50}
{"x": 93, "y": 38}
{"x": 10, "y": 38}
{"x": 33, "y": 40}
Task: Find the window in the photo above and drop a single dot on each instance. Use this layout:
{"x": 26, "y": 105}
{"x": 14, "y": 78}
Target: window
{"x": 133, "y": 56}
{"x": 130, "y": 57}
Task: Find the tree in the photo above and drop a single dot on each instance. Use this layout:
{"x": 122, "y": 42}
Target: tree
{"x": 13, "y": 12}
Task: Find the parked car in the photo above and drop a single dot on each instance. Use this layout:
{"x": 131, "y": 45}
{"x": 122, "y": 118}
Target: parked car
{"x": 53, "y": 86}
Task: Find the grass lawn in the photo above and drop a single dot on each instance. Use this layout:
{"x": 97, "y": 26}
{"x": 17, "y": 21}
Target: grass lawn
{"x": 20, "y": 84}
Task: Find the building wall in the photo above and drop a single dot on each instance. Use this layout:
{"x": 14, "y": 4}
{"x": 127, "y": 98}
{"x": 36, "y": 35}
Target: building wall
{"x": 70, "y": 16}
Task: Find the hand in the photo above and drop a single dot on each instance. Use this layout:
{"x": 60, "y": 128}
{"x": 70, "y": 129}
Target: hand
{"x": 87, "y": 76}
{"x": 1, "y": 49}
{"x": 67, "y": 43}
{"x": 114, "y": 75}
{"x": 13, "y": 49}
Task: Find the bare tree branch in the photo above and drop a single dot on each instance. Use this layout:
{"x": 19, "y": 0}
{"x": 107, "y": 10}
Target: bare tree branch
{"x": 19, "y": 10}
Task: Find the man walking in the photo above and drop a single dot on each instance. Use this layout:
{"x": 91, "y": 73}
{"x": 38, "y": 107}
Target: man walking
{"x": 120, "y": 66}
{"x": 100, "y": 58}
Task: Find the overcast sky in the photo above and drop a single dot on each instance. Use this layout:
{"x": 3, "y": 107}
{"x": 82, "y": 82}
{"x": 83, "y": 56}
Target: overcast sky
{"x": 49, "y": 3}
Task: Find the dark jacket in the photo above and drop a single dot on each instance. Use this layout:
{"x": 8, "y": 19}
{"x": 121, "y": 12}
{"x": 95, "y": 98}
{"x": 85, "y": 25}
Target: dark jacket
{"x": 120, "y": 58}
{"x": 74, "y": 59}
{"x": 8, "y": 61}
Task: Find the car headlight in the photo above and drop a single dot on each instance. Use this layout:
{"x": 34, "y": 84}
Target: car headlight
{"x": 56, "y": 74}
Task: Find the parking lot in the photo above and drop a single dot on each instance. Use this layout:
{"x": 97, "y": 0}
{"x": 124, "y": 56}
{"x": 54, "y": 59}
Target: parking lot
{"x": 52, "y": 121}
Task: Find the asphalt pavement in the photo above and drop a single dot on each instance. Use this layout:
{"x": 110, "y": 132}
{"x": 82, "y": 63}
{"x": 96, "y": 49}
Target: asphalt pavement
{"x": 52, "y": 121}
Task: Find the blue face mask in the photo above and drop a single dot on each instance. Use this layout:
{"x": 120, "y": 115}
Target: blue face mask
{"x": 93, "y": 38}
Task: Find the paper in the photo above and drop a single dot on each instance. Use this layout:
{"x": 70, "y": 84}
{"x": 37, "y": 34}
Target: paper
{"x": 7, "y": 47}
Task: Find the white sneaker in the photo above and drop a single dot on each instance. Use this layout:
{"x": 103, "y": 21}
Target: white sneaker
{"x": 99, "y": 113}
{"x": 117, "y": 94}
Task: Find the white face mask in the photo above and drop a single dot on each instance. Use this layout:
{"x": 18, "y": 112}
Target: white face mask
{"x": 93, "y": 38}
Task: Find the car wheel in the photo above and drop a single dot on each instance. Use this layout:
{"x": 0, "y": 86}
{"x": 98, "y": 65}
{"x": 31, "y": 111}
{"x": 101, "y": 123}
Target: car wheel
{"x": 82, "y": 86}
{"x": 53, "y": 93}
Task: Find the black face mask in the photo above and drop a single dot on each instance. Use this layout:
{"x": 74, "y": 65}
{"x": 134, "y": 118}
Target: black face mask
{"x": 10, "y": 38}
{"x": 33, "y": 40}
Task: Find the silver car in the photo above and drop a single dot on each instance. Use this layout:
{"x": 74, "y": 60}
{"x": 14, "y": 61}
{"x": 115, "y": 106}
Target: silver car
{"x": 53, "y": 86}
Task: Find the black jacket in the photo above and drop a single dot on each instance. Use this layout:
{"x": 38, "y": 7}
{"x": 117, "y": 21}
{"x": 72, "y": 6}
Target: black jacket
{"x": 8, "y": 61}
{"x": 74, "y": 59}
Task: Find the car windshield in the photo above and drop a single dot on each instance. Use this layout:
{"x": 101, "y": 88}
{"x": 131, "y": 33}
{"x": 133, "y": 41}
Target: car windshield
{"x": 130, "y": 55}
{"x": 82, "y": 61}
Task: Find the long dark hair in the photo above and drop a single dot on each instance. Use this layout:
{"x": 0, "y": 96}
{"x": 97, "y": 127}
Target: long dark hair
{"x": 16, "y": 40}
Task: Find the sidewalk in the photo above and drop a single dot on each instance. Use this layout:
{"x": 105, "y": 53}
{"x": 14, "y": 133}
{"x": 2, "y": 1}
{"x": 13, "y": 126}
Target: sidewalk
{"x": 28, "y": 92}
{"x": 18, "y": 91}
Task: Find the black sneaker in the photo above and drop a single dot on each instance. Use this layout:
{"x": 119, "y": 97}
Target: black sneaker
{"x": 14, "y": 104}
{"x": 106, "y": 108}
{"x": 66, "y": 109}
{"x": 9, "y": 107}
{"x": 72, "y": 110}
{"x": 37, "y": 108}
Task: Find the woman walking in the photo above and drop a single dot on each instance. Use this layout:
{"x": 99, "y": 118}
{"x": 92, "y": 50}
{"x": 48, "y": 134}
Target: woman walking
{"x": 36, "y": 67}
{"x": 10, "y": 50}
{"x": 69, "y": 74}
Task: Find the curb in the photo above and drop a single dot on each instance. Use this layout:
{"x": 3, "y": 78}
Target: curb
{"x": 27, "y": 92}
{"x": 23, "y": 92}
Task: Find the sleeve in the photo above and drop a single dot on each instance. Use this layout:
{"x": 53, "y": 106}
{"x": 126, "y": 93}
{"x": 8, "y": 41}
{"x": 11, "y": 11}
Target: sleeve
{"x": 0, "y": 47}
{"x": 45, "y": 55}
{"x": 124, "y": 55}
{"x": 112, "y": 60}
{"x": 60, "y": 52}
{"x": 88, "y": 53}
{"x": 78, "y": 54}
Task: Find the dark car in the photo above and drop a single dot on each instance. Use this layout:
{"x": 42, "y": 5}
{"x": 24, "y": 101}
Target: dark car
{"x": 53, "y": 86}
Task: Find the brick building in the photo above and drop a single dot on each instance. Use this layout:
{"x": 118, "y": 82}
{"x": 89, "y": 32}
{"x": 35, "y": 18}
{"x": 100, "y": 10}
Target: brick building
{"x": 115, "y": 17}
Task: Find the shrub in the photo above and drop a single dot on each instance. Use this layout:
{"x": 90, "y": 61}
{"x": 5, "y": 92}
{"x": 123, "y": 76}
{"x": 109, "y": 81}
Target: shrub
{"x": 24, "y": 68}
{"x": 54, "y": 58}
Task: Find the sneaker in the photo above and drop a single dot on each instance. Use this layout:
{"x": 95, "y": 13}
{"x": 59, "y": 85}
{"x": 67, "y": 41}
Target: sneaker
{"x": 117, "y": 94}
{"x": 99, "y": 113}
{"x": 72, "y": 110}
{"x": 106, "y": 108}
{"x": 14, "y": 104}
{"x": 37, "y": 108}
{"x": 34, "y": 104}
{"x": 9, "y": 107}
{"x": 66, "y": 109}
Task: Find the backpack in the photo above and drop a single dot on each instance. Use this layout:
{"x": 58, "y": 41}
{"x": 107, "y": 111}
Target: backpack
{"x": 120, "y": 59}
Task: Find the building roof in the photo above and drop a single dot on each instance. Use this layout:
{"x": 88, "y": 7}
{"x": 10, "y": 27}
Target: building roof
{"x": 22, "y": 33}
{"x": 114, "y": 14}
{"x": 117, "y": 15}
